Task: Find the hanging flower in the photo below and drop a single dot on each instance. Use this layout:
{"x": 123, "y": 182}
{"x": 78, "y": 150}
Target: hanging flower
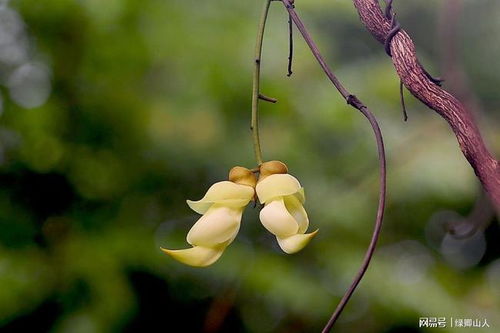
{"x": 222, "y": 208}
{"x": 283, "y": 213}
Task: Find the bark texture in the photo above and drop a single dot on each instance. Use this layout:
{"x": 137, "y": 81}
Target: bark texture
{"x": 414, "y": 77}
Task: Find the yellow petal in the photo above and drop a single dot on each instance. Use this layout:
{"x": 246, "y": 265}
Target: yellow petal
{"x": 197, "y": 256}
{"x": 279, "y": 185}
{"x": 296, "y": 242}
{"x": 226, "y": 193}
{"x": 300, "y": 195}
{"x": 218, "y": 225}
{"x": 295, "y": 208}
{"x": 276, "y": 218}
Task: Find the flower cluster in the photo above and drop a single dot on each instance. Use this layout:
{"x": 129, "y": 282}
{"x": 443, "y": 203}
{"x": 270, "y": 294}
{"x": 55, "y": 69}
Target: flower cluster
{"x": 222, "y": 208}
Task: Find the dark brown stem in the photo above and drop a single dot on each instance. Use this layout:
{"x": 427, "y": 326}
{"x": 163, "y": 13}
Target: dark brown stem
{"x": 356, "y": 103}
{"x": 403, "y": 104}
{"x": 395, "y": 27}
{"x": 267, "y": 98}
{"x": 290, "y": 43}
{"x": 414, "y": 77}
{"x": 388, "y": 9}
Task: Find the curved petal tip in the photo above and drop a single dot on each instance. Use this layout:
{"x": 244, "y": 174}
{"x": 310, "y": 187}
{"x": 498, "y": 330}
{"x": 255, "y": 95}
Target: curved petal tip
{"x": 227, "y": 193}
{"x": 199, "y": 206}
{"x": 296, "y": 242}
{"x": 196, "y": 256}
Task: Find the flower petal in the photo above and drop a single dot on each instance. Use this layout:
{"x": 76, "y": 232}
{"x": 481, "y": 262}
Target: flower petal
{"x": 296, "y": 242}
{"x": 295, "y": 208}
{"x": 278, "y": 185}
{"x": 218, "y": 225}
{"x": 276, "y": 218}
{"x": 300, "y": 195}
{"x": 197, "y": 256}
{"x": 228, "y": 193}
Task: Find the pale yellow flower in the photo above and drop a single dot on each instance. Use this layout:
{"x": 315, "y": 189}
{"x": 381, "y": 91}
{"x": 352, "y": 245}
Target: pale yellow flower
{"x": 283, "y": 214}
{"x": 222, "y": 208}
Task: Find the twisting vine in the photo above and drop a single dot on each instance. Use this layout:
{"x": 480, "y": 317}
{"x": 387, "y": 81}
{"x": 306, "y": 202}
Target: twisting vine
{"x": 427, "y": 89}
{"x": 351, "y": 100}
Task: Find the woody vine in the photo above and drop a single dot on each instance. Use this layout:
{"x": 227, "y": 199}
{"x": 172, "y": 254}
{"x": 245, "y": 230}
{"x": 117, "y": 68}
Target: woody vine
{"x": 281, "y": 194}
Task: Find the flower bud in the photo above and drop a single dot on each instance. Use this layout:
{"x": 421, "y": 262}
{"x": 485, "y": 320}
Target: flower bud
{"x": 242, "y": 176}
{"x": 271, "y": 168}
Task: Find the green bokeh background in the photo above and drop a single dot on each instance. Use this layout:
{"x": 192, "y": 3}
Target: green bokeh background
{"x": 149, "y": 105}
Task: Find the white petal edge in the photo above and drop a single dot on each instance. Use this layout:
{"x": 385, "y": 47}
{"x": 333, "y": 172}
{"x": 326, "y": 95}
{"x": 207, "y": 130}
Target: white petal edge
{"x": 296, "y": 209}
{"x": 218, "y": 225}
{"x": 277, "y": 220}
{"x": 227, "y": 193}
{"x": 278, "y": 185}
{"x": 296, "y": 242}
{"x": 197, "y": 256}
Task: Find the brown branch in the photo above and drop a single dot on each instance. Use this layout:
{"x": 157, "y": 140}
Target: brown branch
{"x": 415, "y": 79}
{"x": 357, "y": 104}
{"x": 456, "y": 77}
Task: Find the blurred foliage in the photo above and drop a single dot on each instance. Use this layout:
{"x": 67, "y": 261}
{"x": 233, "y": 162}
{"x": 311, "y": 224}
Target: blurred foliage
{"x": 114, "y": 112}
